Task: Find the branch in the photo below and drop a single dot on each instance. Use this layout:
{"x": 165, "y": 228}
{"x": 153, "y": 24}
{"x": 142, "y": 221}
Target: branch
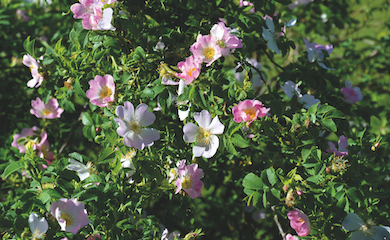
{"x": 272, "y": 60}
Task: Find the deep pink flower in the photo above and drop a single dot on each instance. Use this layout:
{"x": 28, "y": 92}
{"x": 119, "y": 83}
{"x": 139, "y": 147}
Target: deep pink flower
{"x": 37, "y": 79}
{"x": 70, "y": 214}
{"x": 206, "y": 48}
{"x": 351, "y": 95}
{"x": 248, "y": 111}
{"x": 190, "y": 69}
{"x": 291, "y": 237}
{"x": 101, "y": 90}
{"x": 226, "y": 41}
{"x": 206, "y": 143}
{"x": 43, "y": 150}
{"x": 299, "y": 222}
{"x": 29, "y": 138}
{"x": 189, "y": 180}
{"x": 314, "y": 52}
{"x": 343, "y": 144}
{"x": 132, "y": 125}
{"x": 50, "y": 110}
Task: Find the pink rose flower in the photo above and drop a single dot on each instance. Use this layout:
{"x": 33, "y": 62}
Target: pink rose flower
{"x": 70, "y": 214}
{"x": 189, "y": 180}
{"x": 248, "y": 111}
{"x": 90, "y": 11}
{"x": 226, "y": 41}
{"x": 206, "y": 143}
{"x": 206, "y": 48}
{"x": 343, "y": 144}
{"x": 37, "y": 79}
{"x": 351, "y": 95}
{"x": 50, "y": 110}
{"x": 190, "y": 69}
{"x": 132, "y": 125}
{"x": 291, "y": 237}
{"x": 299, "y": 222}
{"x": 247, "y": 3}
{"x": 44, "y": 153}
{"x": 29, "y": 138}
{"x": 101, "y": 90}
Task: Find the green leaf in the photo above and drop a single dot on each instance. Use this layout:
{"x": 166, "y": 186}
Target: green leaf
{"x": 334, "y": 114}
{"x": 305, "y": 153}
{"x": 329, "y": 124}
{"x": 108, "y": 154}
{"x": 14, "y": 166}
{"x": 325, "y": 108}
{"x": 93, "y": 179}
{"x": 253, "y": 182}
{"x": 76, "y": 156}
{"x": 86, "y": 119}
{"x": 239, "y": 141}
{"x": 272, "y": 178}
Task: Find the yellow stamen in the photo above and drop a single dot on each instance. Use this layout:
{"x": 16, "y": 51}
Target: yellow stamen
{"x": 47, "y": 111}
{"x": 208, "y": 53}
{"x": 203, "y": 136}
{"x": 69, "y": 219}
{"x": 189, "y": 72}
{"x": 187, "y": 182}
{"x": 105, "y": 92}
{"x": 251, "y": 112}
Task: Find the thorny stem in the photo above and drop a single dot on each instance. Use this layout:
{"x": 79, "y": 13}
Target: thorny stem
{"x": 278, "y": 224}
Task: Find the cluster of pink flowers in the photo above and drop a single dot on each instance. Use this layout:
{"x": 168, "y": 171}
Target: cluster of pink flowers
{"x": 93, "y": 15}
{"x": 188, "y": 179}
{"x": 30, "y": 62}
{"x": 248, "y": 111}
{"x": 207, "y": 49}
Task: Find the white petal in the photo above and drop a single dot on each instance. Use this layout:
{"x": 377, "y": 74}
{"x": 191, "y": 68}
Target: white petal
{"x": 203, "y": 118}
{"x": 198, "y": 151}
{"x": 381, "y": 233}
{"x": 80, "y": 168}
{"x": 105, "y": 22}
{"x": 292, "y": 22}
{"x": 212, "y": 148}
{"x": 216, "y": 127}
{"x": 190, "y": 131}
{"x": 352, "y": 222}
{"x": 359, "y": 235}
{"x": 37, "y": 226}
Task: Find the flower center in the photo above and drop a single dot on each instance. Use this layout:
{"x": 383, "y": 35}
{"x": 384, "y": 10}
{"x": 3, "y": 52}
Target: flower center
{"x": 37, "y": 234}
{"x": 105, "y": 92}
{"x": 367, "y": 228}
{"x": 135, "y": 126}
{"x": 221, "y": 43}
{"x": 208, "y": 53}
{"x": 251, "y": 112}
{"x": 189, "y": 72}
{"x": 47, "y": 110}
{"x": 187, "y": 182}
{"x": 203, "y": 136}
{"x": 69, "y": 218}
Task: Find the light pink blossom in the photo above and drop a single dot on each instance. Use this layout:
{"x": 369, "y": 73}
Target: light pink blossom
{"x": 101, "y": 90}
{"x": 299, "y": 222}
{"x": 314, "y": 52}
{"x": 132, "y": 125}
{"x": 343, "y": 144}
{"x": 92, "y": 13}
{"x": 105, "y": 22}
{"x": 189, "y": 180}
{"x": 44, "y": 153}
{"x": 70, "y": 214}
{"x": 291, "y": 237}
{"x": 248, "y": 111}
{"x": 29, "y": 138}
{"x": 50, "y": 110}
{"x": 190, "y": 69}
{"x": 227, "y": 41}
{"x": 351, "y": 94}
{"x": 206, "y": 48}
{"x": 206, "y": 143}
{"x": 38, "y": 226}
{"x": 37, "y": 79}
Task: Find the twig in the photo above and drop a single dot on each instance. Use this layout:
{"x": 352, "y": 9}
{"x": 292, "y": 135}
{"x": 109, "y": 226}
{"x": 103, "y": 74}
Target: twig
{"x": 279, "y": 226}
{"x": 272, "y": 60}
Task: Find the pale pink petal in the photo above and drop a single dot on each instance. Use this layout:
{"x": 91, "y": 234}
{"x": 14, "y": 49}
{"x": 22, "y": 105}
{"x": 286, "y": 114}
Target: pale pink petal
{"x": 190, "y": 131}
